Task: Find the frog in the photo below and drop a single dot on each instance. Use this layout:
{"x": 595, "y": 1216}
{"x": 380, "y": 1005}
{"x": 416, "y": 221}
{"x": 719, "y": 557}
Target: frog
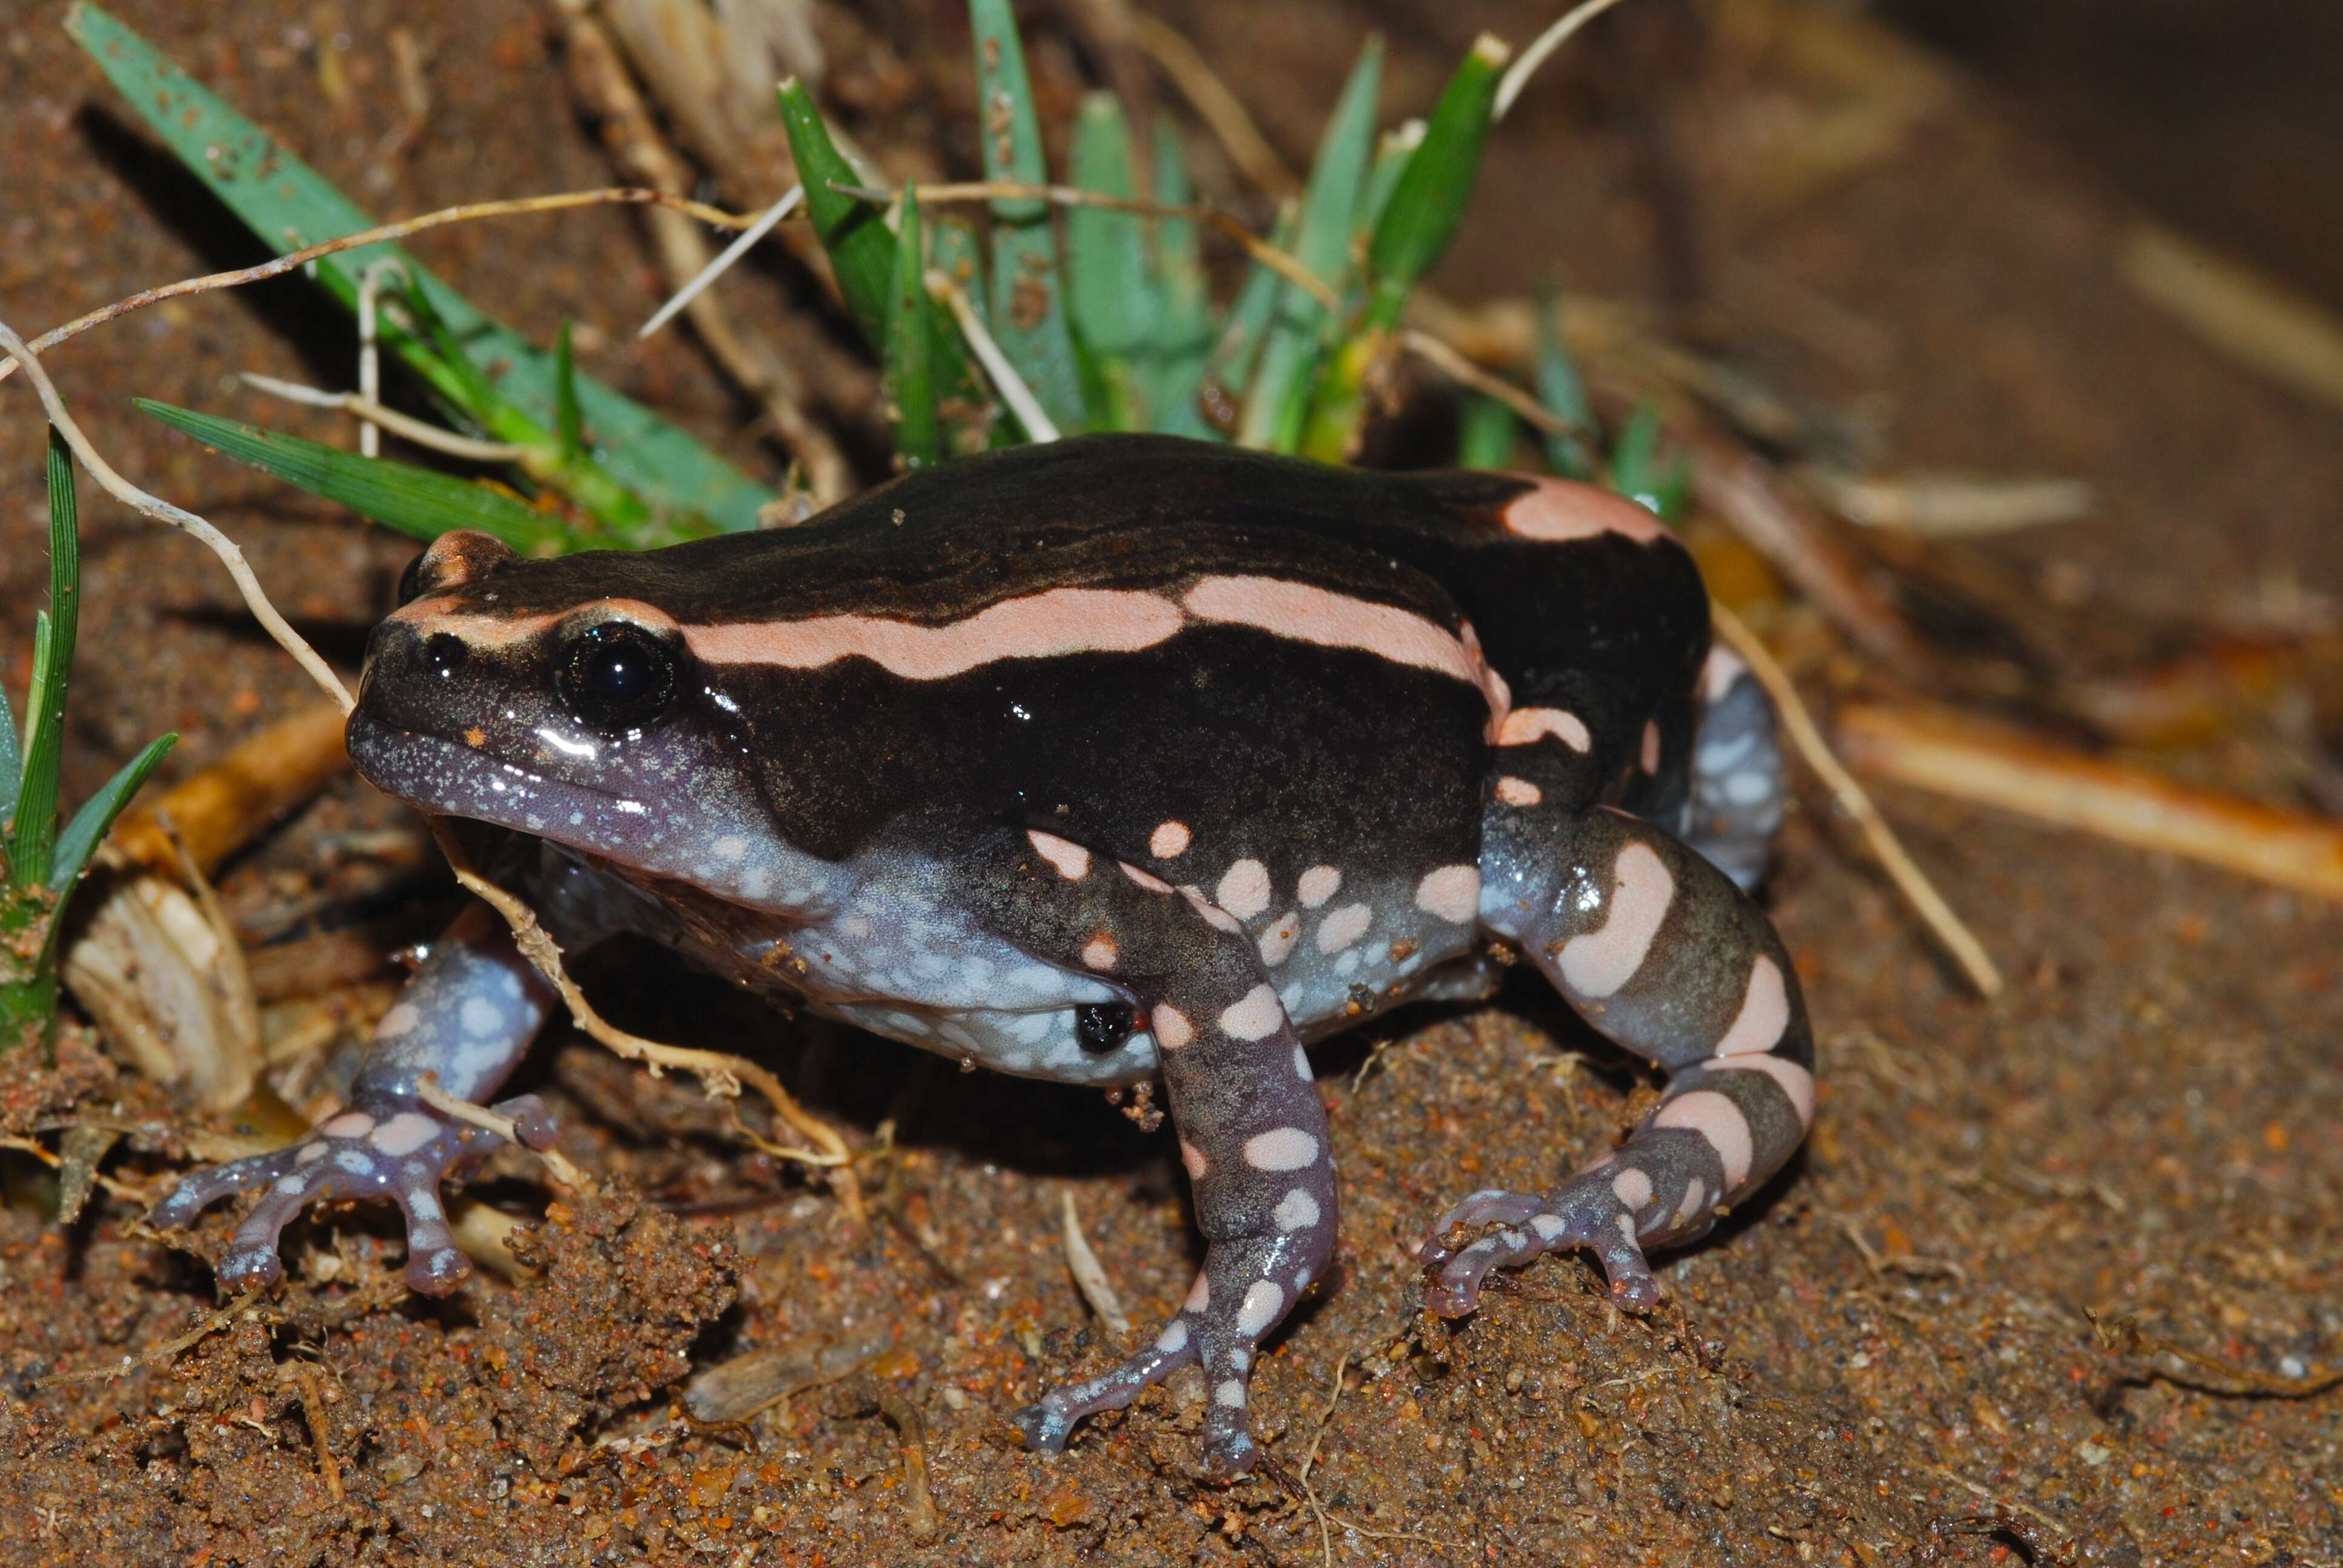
{"x": 1115, "y": 760}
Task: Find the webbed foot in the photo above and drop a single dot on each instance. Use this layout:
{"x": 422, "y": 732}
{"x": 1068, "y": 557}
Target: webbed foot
{"x": 1588, "y": 1211}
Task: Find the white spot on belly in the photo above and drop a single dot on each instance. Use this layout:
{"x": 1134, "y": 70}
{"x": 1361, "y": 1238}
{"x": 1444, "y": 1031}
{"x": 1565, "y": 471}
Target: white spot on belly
{"x": 1527, "y": 725}
{"x": 1278, "y": 941}
{"x": 348, "y": 1124}
{"x": 1452, "y": 893}
{"x": 730, "y": 847}
{"x": 1073, "y": 861}
{"x": 1172, "y": 1028}
{"x": 1297, "y": 1210}
{"x": 1174, "y": 1338}
{"x": 1244, "y": 890}
{"x": 291, "y": 1186}
{"x": 1262, "y": 1302}
{"x": 1796, "y": 1083}
{"x": 1515, "y": 791}
{"x": 482, "y": 1018}
{"x": 1547, "y": 1226}
{"x": 1748, "y": 787}
{"x": 1255, "y": 1017}
{"x": 1344, "y": 928}
{"x": 756, "y": 881}
{"x": 1631, "y": 1187}
{"x": 1168, "y": 841}
{"x": 1285, "y": 1149}
{"x": 404, "y": 1133}
{"x": 1764, "y": 1012}
{"x": 1715, "y": 1118}
{"x": 1230, "y": 1394}
{"x": 1318, "y": 884}
{"x": 1600, "y": 961}
{"x": 423, "y": 1206}
{"x": 354, "y": 1162}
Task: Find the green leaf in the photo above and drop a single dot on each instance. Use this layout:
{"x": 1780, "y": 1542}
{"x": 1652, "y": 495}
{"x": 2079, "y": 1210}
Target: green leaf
{"x": 1028, "y": 310}
{"x": 1562, "y": 391}
{"x": 98, "y": 813}
{"x": 1247, "y": 323}
{"x": 12, "y": 768}
{"x": 1185, "y": 297}
{"x": 1634, "y": 473}
{"x": 1486, "y": 429}
{"x": 418, "y": 502}
{"x": 289, "y": 205}
{"x": 911, "y": 392}
{"x": 34, "y": 831}
{"x": 852, "y": 231}
{"x": 1109, "y": 297}
{"x": 1277, "y": 399}
{"x": 569, "y": 421}
{"x": 1428, "y": 202}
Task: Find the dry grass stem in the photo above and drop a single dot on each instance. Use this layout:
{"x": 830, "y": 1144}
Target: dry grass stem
{"x": 2262, "y": 325}
{"x": 373, "y": 415}
{"x": 742, "y": 243}
{"x": 918, "y": 1497}
{"x": 220, "y": 808}
{"x": 1223, "y": 112}
{"x": 1278, "y": 261}
{"x": 312, "y": 1384}
{"x": 218, "y": 543}
{"x": 428, "y": 1090}
{"x": 1004, "y": 376}
{"x": 1542, "y": 49}
{"x": 1089, "y": 1275}
{"x": 623, "y": 195}
{"x": 1952, "y": 754}
{"x": 1909, "y": 880}
{"x": 1457, "y": 368}
{"x": 1951, "y": 506}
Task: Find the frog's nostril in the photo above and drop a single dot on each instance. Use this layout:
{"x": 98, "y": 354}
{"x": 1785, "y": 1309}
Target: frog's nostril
{"x": 446, "y": 653}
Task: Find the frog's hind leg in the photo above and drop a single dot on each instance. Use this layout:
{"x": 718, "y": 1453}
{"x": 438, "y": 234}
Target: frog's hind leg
{"x": 1659, "y": 951}
{"x": 1252, "y": 1129}
{"x": 465, "y": 1018}
{"x": 1738, "y": 779}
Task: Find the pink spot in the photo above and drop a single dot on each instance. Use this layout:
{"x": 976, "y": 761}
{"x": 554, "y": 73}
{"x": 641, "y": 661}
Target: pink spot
{"x": 1244, "y": 890}
{"x": 1764, "y": 1012}
{"x": 1631, "y": 1187}
{"x": 1715, "y": 1118}
{"x": 1200, "y": 1294}
{"x": 1557, "y": 511}
{"x": 1218, "y": 919}
{"x": 1277, "y": 943}
{"x": 1600, "y": 961}
{"x": 1073, "y": 861}
{"x": 1100, "y": 953}
{"x": 1717, "y": 676}
{"x": 1797, "y": 1084}
{"x": 1152, "y": 883}
{"x": 474, "y": 630}
{"x": 1172, "y": 1028}
{"x": 1330, "y": 620}
{"x": 1651, "y": 758}
{"x": 1318, "y": 884}
{"x": 1527, "y": 725}
{"x": 1452, "y": 893}
{"x": 1168, "y": 841}
{"x": 1257, "y": 1016}
{"x": 1515, "y": 791}
{"x": 1037, "y": 626}
{"x": 348, "y": 1124}
{"x": 1281, "y": 1149}
{"x": 1193, "y": 1159}
{"x": 1696, "y": 1199}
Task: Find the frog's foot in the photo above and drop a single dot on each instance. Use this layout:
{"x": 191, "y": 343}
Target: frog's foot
{"x": 1048, "y": 1422}
{"x": 381, "y": 1147}
{"x": 1589, "y": 1210}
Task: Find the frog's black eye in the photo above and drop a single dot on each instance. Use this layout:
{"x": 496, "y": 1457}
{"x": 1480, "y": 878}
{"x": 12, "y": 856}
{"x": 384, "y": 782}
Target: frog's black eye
{"x": 1103, "y": 1026}
{"x": 614, "y": 675}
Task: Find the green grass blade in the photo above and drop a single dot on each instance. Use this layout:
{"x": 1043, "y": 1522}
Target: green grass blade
{"x": 12, "y": 776}
{"x": 1636, "y": 472}
{"x": 53, "y": 633}
{"x": 1247, "y": 322}
{"x": 569, "y": 421}
{"x": 418, "y": 502}
{"x": 1486, "y": 431}
{"x": 910, "y": 391}
{"x": 80, "y": 839}
{"x": 1185, "y": 297}
{"x": 1393, "y": 154}
{"x": 1028, "y": 310}
{"x": 1562, "y": 391}
{"x": 288, "y": 205}
{"x": 1277, "y": 398}
{"x": 1428, "y": 201}
{"x": 1110, "y": 298}
{"x": 852, "y": 231}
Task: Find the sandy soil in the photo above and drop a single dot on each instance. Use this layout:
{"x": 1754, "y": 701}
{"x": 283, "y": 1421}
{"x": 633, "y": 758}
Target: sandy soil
{"x": 1891, "y": 1342}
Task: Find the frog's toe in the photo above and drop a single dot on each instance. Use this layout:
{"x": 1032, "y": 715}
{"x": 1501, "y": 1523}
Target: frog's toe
{"x": 1579, "y": 1214}
{"x": 1230, "y": 1452}
{"x": 1044, "y": 1427}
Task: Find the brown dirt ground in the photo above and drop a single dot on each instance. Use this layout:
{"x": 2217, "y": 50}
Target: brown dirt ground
{"x": 2150, "y": 1122}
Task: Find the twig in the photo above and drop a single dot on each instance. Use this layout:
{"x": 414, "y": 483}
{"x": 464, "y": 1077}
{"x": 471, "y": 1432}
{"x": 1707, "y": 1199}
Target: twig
{"x": 206, "y": 1326}
{"x": 2123, "y": 1337}
{"x": 1950, "y": 505}
{"x": 370, "y": 352}
{"x": 1003, "y": 375}
{"x": 1518, "y": 75}
{"x": 372, "y": 414}
{"x": 719, "y": 1073}
{"x": 1089, "y": 1275}
{"x": 217, "y": 542}
{"x": 919, "y": 1499}
{"x": 741, "y": 246}
{"x": 428, "y": 1090}
{"x": 1458, "y": 368}
{"x": 1278, "y": 261}
{"x": 1951, "y": 754}
{"x": 312, "y": 1384}
{"x": 219, "y": 808}
{"x": 2262, "y": 325}
{"x": 1221, "y": 111}
{"x": 1886, "y": 847}
{"x": 621, "y": 195}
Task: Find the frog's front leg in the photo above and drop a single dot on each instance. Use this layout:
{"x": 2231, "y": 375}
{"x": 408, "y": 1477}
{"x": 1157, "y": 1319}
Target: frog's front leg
{"x": 1252, "y": 1130}
{"x": 1658, "y": 949}
{"x": 466, "y": 1018}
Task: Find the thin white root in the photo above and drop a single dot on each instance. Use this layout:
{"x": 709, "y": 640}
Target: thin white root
{"x": 1003, "y": 375}
{"x": 766, "y": 223}
{"x": 1540, "y": 50}
{"x": 1089, "y": 1275}
{"x": 374, "y": 414}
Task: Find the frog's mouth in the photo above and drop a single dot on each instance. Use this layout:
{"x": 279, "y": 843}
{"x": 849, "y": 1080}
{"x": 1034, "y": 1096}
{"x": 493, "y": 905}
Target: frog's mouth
{"x": 453, "y": 779}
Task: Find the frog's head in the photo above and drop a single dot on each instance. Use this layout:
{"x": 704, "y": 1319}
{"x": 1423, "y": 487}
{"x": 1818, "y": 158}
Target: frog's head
{"x": 558, "y": 698}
